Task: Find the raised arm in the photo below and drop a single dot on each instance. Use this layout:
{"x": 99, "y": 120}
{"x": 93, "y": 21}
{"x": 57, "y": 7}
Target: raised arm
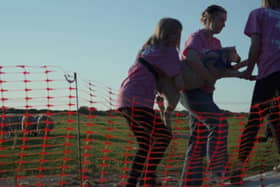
{"x": 253, "y": 55}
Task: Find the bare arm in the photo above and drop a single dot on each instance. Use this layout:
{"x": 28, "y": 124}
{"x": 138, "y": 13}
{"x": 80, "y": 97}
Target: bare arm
{"x": 194, "y": 60}
{"x": 254, "y": 53}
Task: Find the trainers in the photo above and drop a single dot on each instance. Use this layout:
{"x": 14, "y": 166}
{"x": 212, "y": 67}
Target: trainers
{"x": 276, "y": 168}
{"x": 151, "y": 180}
{"x": 235, "y": 177}
{"x": 214, "y": 180}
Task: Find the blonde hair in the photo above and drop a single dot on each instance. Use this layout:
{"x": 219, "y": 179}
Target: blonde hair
{"x": 210, "y": 12}
{"x": 271, "y": 4}
{"x": 164, "y": 29}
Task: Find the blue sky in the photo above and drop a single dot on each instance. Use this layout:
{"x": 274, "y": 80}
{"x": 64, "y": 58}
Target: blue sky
{"x": 99, "y": 39}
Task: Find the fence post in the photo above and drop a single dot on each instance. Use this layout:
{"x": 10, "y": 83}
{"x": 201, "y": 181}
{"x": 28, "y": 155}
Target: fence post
{"x": 78, "y": 125}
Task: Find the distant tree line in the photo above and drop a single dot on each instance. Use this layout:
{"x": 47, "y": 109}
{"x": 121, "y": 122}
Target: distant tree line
{"x": 94, "y": 111}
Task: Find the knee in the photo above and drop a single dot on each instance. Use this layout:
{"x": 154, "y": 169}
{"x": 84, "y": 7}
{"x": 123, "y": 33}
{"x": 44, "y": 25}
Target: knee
{"x": 170, "y": 108}
{"x": 160, "y": 101}
{"x": 165, "y": 137}
{"x": 168, "y": 136}
{"x": 219, "y": 129}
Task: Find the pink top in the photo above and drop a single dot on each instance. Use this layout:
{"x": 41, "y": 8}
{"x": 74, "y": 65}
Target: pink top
{"x": 139, "y": 88}
{"x": 266, "y": 22}
{"x": 201, "y": 44}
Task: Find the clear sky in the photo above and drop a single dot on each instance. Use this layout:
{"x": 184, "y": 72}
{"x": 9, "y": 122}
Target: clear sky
{"x": 99, "y": 39}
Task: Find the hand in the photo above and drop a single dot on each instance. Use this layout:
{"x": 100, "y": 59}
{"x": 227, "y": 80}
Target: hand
{"x": 247, "y": 75}
{"x": 252, "y": 78}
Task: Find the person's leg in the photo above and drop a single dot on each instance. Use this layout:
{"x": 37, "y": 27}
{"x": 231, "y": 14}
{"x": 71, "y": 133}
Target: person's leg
{"x": 207, "y": 127}
{"x": 192, "y": 174}
{"x": 263, "y": 94}
{"x": 267, "y": 130}
{"x": 248, "y": 138}
{"x": 140, "y": 123}
{"x": 264, "y": 91}
{"x": 274, "y": 120}
{"x": 273, "y": 117}
{"x": 217, "y": 147}
{"x": 217, "y": 152}
{"x": 275, "y": 124}
{"x": 161, "y": 137}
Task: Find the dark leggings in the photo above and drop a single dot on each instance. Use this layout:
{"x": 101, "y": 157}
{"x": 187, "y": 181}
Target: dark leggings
{"x": 262, "y": 106}
{"x": 152, "y": 136}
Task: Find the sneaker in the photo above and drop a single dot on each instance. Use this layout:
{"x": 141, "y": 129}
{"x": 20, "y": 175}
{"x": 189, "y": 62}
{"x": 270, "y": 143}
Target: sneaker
{"x": 236, "y": 176}
{"x": 151, "y": 180}
{"x": 276, "y": 168}
{"x": 214, "y": 180}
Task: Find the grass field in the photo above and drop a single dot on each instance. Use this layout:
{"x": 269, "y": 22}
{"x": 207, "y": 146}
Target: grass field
{"x": 106, "y": 146}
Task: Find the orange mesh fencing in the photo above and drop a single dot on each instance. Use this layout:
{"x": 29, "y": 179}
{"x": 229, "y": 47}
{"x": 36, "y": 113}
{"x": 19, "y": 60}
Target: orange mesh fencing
{"x": 59, "y": 130}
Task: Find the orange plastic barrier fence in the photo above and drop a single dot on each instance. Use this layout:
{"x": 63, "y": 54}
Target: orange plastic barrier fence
{"x": 56, "y": 132}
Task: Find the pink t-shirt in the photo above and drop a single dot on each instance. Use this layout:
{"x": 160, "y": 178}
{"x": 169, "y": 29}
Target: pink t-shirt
{"x": 266, "y": 22}
{"x": 201, "y": 44}
{"x": 139, "y": 88}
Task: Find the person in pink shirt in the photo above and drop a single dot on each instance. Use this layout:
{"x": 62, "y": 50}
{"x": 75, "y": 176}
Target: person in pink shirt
{"x": 263, "y": 27}
{"x": 135, "y": 100}
{"x": 208, "y": 128}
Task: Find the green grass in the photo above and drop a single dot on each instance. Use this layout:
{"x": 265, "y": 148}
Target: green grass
{"x": 105, "y": 145}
